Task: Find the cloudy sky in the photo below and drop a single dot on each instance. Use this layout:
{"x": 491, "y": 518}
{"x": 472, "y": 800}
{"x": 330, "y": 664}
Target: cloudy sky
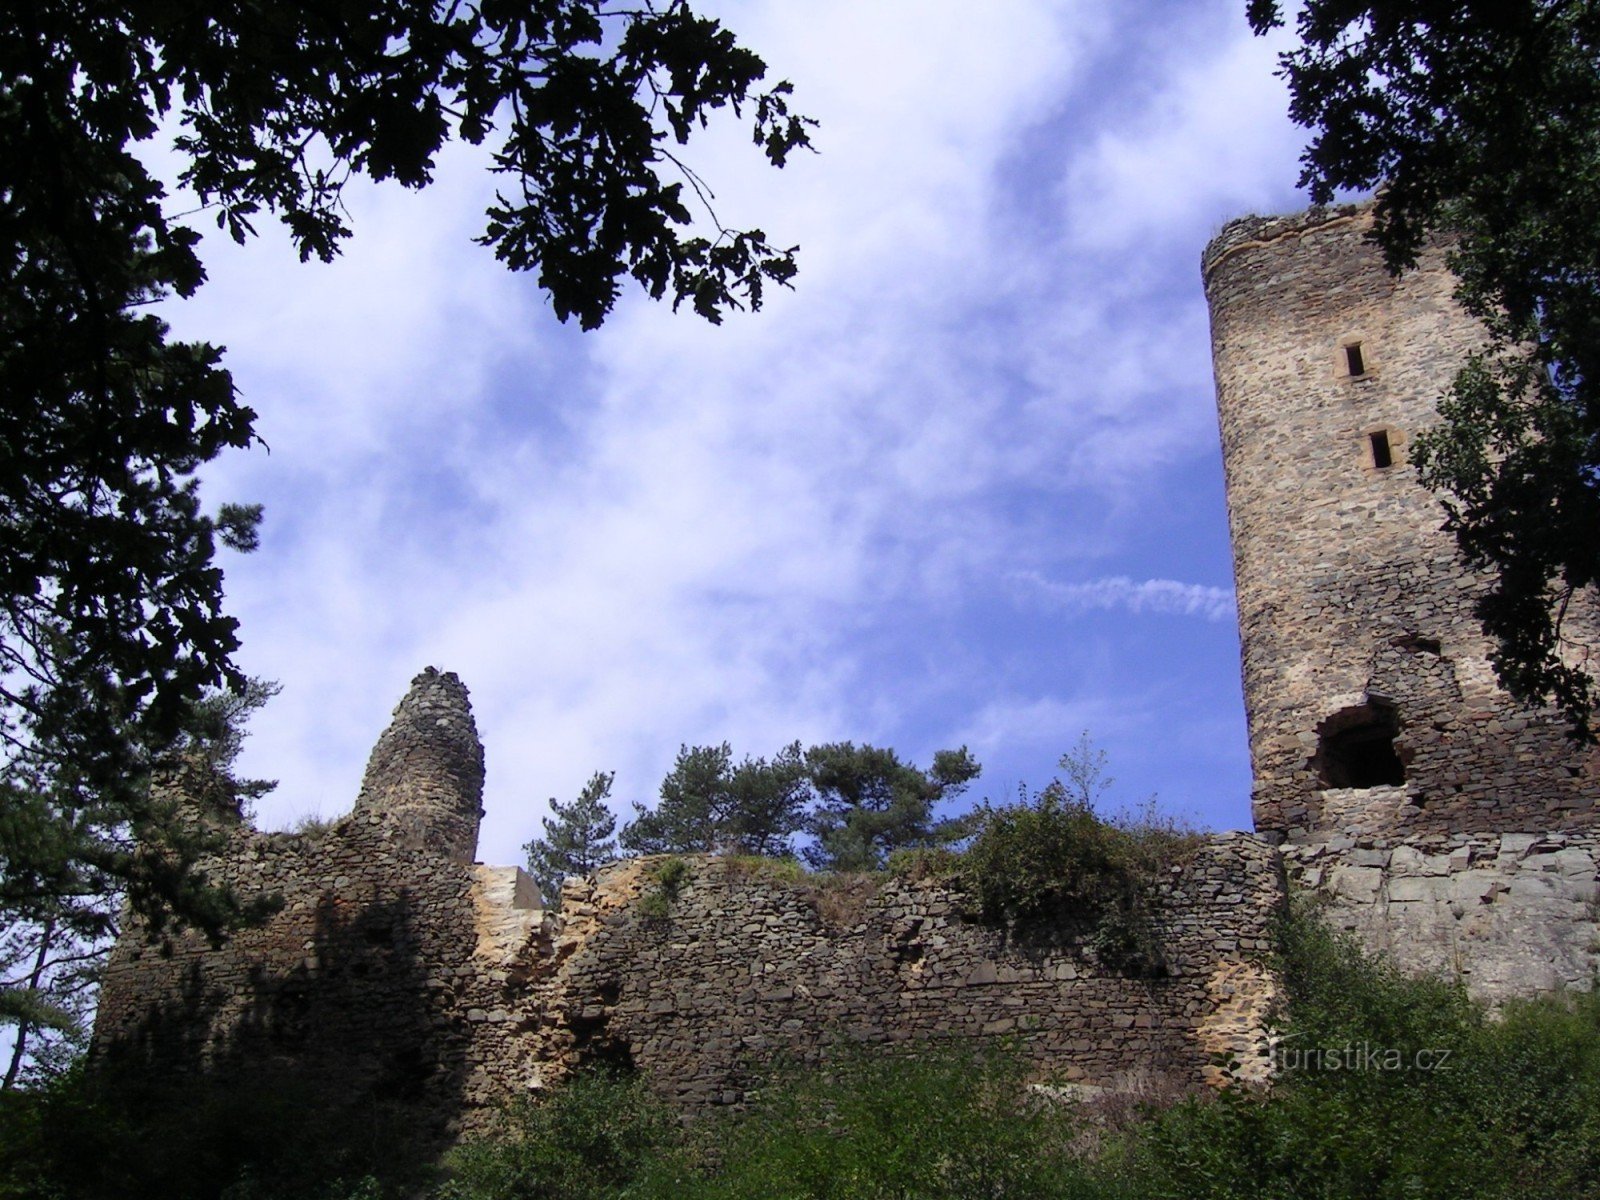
{"x": 961, "y": 486}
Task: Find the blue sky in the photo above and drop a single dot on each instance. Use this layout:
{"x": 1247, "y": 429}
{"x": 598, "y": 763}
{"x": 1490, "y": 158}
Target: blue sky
{"x": 962, "y": 485}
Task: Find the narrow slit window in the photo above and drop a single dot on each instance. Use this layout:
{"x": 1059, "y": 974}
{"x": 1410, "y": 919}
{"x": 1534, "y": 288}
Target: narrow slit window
{"x": 1382, "y": 452}
{"x": 1353, "y": 360}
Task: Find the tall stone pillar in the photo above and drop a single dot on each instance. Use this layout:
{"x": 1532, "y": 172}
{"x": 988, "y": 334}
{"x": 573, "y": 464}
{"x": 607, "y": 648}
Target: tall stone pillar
{"x": 425, "y": 777}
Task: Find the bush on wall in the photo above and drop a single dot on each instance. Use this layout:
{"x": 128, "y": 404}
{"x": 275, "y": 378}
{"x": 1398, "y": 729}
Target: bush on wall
{"x": 1049, "y": 862}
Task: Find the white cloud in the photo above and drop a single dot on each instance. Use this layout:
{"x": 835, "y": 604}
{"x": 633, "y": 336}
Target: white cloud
{"x": 671, "y": 533}
{"x": 1147, "y": 596}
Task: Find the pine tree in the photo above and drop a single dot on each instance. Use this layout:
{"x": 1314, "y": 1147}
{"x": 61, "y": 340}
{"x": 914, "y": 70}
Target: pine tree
{"x": 870, "y": 804}
{"x": 577, "y": 837}
{"x": 710, "y": 804}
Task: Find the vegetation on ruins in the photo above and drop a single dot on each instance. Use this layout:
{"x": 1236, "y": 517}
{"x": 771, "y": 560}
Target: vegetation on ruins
{"x": 1389, "y": 1087}
{"x": 667, "y": 879}
{"x": 577, "y": 837}
{"x": 870, "y": 804}
{"x": 1045, "y": 865}
{"x": 1478, "y": 119}
{"x": 710, "y": 803}
{"x": 111, "y": 618}
{"x": 1050, "y": 861}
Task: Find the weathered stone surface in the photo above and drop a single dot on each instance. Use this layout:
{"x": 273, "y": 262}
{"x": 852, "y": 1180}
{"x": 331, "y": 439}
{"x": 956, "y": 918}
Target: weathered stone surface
{"x": 1442, "y": 821}
{"x": 1507, "y": 926}
{"x": 1350, "y": 593}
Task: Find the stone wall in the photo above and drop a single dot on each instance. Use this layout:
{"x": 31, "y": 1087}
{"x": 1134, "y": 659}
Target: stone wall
{"x": 394, "y": 970}
{"x": 749, "y": 963}
{"x": 1510, "y": 914}
{"x": 1354, "y": 610}
{"x": 385, "y": 942}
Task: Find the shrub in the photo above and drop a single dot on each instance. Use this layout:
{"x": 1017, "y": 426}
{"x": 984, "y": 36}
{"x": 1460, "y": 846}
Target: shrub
{"x": 668, "y": 878}
{"x": 671, "y": 874}
{"x": 1392, "y": 1086}
{"x": 1051, "y": 863}
{"x": 748, "y": 866}
{"x": 590, "y": 1139}
{"x": 925, "y": 862}
{"x": 936, "y": 1125}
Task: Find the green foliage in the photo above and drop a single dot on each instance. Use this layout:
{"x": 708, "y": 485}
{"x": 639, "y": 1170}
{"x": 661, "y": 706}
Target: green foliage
{"x": 668, "y": 878}
{"x": 787, "y": 870}
{"x": 869, "y": 804}
{"x": 1050, "y": 862}
{"x": 577, "y": 838}
{"x": 710, "y": 804}
{"x": 671, "y": 875}
{"x": 925, "y": 862}
{"x": 931, "y": 1124}
{"x": 593, "y": 1138}
{"x": 859, "y": 803}
{"x": 1479, "y": 121}
{"x": 580, "y": 100}
{"x": 69, "y": 864}
{"x": 111, "y": 626}
{"x": 1392, "y": 1087}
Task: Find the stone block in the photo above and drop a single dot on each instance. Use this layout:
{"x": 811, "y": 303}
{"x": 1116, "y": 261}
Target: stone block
{"x": 1355, "y": 883}
{"x": 1411, "y": 889}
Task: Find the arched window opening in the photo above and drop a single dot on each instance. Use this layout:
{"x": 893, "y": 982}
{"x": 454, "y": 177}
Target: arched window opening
{"x": 1355, "y": 748}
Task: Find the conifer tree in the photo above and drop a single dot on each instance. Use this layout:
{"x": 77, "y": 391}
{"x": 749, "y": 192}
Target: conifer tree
{"x": 577, "y": 837}
{"x": 869, "y": 804}
{"x": 710, "y": 804}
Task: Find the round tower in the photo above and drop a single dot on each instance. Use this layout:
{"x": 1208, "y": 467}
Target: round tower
{"x": 425, "y": 777}
{"x": 1370, "y": 699}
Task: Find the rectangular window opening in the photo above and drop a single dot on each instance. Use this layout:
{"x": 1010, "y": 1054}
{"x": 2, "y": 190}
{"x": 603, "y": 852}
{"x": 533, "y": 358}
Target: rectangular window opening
{"x": 1353, "y": 360}
{"x": 1382, "y": 455}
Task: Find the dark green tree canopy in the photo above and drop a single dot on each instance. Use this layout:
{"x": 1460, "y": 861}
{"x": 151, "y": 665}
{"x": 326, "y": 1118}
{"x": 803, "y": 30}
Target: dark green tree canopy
{"x": 280, "y": 105}
{"x": 869, "y": 804}
{"x": 111, "y": 616}
{"x": 710, "y": 803}
{"x": 73, "y": 852}
{"x": 1481, "y": 121}
{"x": 858, "y": 803}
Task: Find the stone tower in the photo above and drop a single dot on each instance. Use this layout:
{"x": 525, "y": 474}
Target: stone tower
{"x": 1371, "y": 703}
{"x": 424, "y": 780}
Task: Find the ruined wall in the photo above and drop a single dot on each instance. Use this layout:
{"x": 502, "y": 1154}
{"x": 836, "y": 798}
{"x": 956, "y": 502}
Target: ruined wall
{"x": 396, "y": 971}
{"x": 747, "y": 964}
{"x": 1354, "y": 608}
{"x": 364, "y": 981}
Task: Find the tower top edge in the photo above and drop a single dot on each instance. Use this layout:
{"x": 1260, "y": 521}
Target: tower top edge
{"x": 1249, "y": 232}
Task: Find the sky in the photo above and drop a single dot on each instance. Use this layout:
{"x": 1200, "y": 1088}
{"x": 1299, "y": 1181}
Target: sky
{"x": 961, "y": 486}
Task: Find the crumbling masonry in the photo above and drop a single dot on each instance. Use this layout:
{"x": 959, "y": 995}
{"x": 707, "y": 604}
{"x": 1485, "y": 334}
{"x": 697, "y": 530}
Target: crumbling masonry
{"x": 397, "y": 967}
{"x": 1392, "y": 776}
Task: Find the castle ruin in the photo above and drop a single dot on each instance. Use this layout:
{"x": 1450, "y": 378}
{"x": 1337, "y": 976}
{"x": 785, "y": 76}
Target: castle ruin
{"x": 1393, "y": 777}
{"x": 1444, "y": 823}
